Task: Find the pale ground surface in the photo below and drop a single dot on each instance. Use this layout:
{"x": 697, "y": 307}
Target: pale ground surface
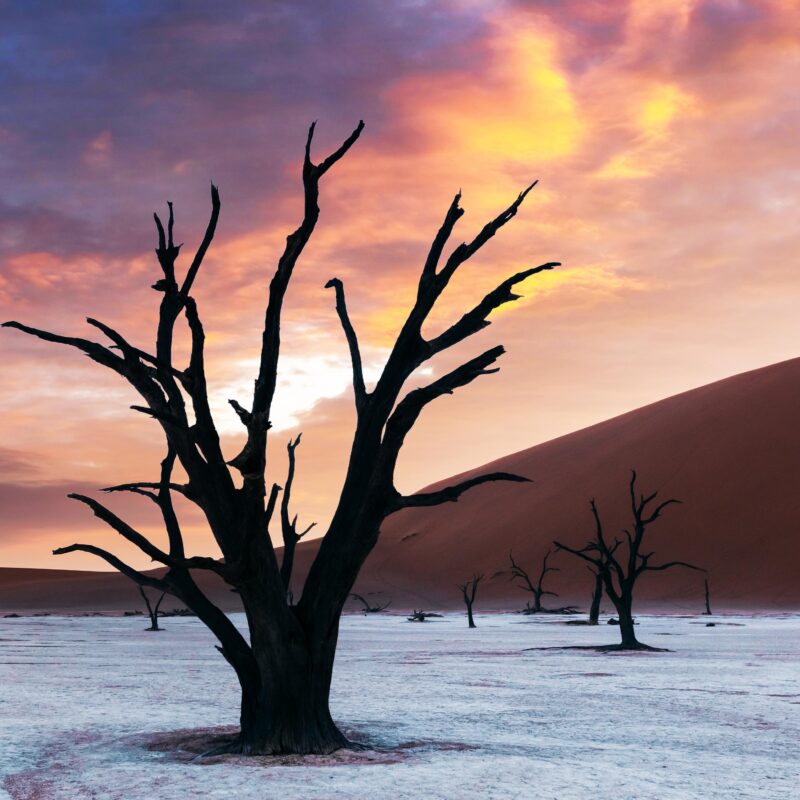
{"x": 717, "y": 718}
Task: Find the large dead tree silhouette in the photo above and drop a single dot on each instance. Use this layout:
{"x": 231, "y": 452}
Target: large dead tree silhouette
{"x": 285, "y": 666}
{"x": 468, "y": 590}
{"x": 518, "y": 573}
{"x": 621, "y": 572}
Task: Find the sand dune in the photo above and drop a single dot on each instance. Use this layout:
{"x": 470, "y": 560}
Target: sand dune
{"x": 730, "y": 451}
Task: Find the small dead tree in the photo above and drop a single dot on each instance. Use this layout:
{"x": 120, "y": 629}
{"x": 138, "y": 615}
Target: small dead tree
{"x": 597, "y": 596}
{"x": 708, "y": 599}
{"x": 518, "y": 573}
{"x": 152, "y": 610}
{"x": 621, "y": 572}
{"x": 368, "y": 609}
{"x": 468, "y": 590}
{"x": 284, "y": 666}
{"x": 421, "y": 616}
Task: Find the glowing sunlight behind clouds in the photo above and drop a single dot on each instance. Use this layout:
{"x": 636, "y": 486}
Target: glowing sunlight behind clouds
{"x": 664, "y": 134}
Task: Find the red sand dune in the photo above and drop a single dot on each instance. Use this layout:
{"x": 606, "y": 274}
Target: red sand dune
{"x": 730, "y": 451}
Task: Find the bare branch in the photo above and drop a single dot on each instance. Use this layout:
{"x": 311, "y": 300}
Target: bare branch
{"x": 120, "y": 566}
{"x": 122, "y": 528}
{"x": 450, "y": 494}
{"x": 409, "y": 408}
{"x": 454, "y": 213}
{"x": 359, "y": 388}
{"x": 657, "y": 511}
{"x": 251, "y": 461}
{"x": 465, "y": 251}
{"x": 476, "y": 319}
{"x": 141, "y": 487}
{"x": 581, "y": 553}
{"x": 670, "y": 564}
{"x": 328, "y": 162}
{"x": 191, "y": 273}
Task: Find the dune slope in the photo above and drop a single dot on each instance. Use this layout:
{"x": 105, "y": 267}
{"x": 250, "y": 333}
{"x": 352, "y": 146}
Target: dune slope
{"x": 729, "y": 451}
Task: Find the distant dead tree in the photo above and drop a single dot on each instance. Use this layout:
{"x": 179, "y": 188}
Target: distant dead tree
{"x": 620, "y": 573}
{"x": 284, "y": 666}
{"x": 368, "y": 609}
{"x": 468, "y": 590}
{"x": 421, "y": 616}
{"x": 708, "y": 599}
{"x": 597, "y": 596}
{"x": 535, "y": 588}
{"x": 152, "y": 610}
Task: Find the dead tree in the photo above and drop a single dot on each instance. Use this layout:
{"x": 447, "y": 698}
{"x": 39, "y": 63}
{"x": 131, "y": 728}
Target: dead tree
{"x": 368, "y": 609}
{"x": 536, "y": 589}
{"x": 421, "y": 616}
{"x": 468, "y": 590}
{"x": 620, "y": 572}
{"x": 152, "y": 611}
{"x": 708, "y": 599}
{"x": 285, "y": 665}
{"x": 597, "y": 596}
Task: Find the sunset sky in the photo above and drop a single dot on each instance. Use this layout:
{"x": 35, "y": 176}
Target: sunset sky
{"x": 665, "y": 134}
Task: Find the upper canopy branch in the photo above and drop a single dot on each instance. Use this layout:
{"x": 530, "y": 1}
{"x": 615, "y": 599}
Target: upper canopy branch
{"x": 191, "y": 273}
{"x": 409, "y": 408}
{"x": 454, "y": 213}
{"x": 251, "y": 461}
{"x": 465, "y": 251}
{"x": 359, "y": 388}
{"x": 476, "y": 319}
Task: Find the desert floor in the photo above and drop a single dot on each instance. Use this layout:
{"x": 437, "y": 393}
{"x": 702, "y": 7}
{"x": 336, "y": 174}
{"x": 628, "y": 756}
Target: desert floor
{"x": 451, "y": 712}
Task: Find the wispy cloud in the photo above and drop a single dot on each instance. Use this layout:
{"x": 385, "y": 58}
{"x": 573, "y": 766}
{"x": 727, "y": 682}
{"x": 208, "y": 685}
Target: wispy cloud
{"x": 664, "y": 134}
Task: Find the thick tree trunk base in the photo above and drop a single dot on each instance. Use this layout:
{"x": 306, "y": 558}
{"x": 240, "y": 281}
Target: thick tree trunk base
{"x": 223, "y": 745}
{"x": 299, "y": 744}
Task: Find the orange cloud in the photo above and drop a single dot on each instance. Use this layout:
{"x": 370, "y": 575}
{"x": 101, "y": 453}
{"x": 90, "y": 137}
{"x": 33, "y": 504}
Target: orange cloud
{"x": 665, "y": 135}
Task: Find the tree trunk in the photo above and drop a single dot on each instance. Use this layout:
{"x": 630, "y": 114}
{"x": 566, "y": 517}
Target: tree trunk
{"x": 708, "y": 601}
{"x": 285, "y": 702}
{"x": 624, "y": 611}
{"x": 153, "y": 622}
{"x": 597, "y": 596}
{"x": 289, "y": 715}
{"x": 469, "y": 616}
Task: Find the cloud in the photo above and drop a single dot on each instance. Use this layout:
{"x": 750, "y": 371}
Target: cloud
{"x": 664, "y": 135}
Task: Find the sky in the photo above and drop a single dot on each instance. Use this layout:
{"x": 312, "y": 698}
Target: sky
{"x": 664, "y": 134}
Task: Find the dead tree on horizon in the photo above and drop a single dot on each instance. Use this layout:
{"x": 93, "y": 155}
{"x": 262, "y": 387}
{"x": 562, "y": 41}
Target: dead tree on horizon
{"x": 368, "y": 609}
{"x": 621, "y": 573}
{"x": 707, "y": 612}
{"x": 152, "y": 611}
{"x": 597, "y": 596}
{"x": 285, "y": 665}
{"x": 421, "y": 616}
{"x": 468, "y": 590}
{"x": 536, "y": 589}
